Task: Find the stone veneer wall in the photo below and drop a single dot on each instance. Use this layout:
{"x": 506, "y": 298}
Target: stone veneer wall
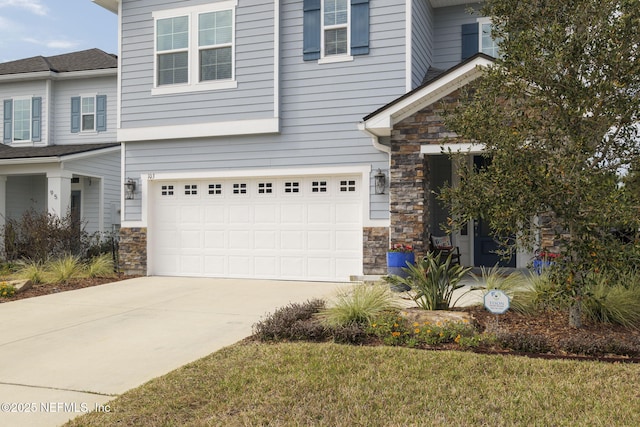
{"x": 374, "y": 244}
{"x": 133, "y": 250}
{"x": 409, "y": 176}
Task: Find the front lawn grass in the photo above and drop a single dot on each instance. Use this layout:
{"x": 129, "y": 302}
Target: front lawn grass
{"x": 338, "y": 385}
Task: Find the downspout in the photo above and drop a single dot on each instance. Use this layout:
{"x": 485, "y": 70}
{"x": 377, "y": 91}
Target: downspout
{"x": 374, "y": 139}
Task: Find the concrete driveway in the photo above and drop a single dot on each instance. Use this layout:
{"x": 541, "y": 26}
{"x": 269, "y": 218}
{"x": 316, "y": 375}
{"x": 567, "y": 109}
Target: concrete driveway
{"x": 66, "y": 354}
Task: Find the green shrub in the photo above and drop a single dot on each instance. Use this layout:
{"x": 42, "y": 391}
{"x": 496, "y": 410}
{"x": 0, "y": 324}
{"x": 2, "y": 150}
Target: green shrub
{"x": 359, "y": 305}
{"x": 100, "y": 266}
{"x": 586, "y": 344}
{"x": 433, "y": 281}
{"x": 31, "y": 270}
{"x": 7, "y": 290}
{"x": 61, "y": 270}
{"x": 289, "y": 322}
{"x": 522, "y": 342}
{"x": 398, "y": 331}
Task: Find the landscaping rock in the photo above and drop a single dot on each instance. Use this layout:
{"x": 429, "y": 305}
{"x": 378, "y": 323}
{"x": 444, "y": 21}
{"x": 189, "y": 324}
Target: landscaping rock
{"x": 20, "y": 285}
{"x": 421, "y": 316}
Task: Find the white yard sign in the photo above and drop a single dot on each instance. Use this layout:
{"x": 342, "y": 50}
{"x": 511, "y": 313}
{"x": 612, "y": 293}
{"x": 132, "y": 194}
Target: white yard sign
{"x": 496, "y": 301}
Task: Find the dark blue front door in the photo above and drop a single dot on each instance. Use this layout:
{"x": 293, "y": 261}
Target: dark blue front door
{"x": 485, "y": 246}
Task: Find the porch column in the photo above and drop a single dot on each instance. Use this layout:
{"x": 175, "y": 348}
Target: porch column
{"x": 59, "y": 192}
{"x": 407, "y": 189}
{"x": 3, "y": 200}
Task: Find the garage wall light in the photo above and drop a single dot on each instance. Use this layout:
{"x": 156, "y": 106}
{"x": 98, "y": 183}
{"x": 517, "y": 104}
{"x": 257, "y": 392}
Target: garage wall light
{"x": 381, "y": 182}
{"x": 129, "y": 189}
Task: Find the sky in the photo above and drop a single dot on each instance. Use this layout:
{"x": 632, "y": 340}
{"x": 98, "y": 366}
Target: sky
{"x": 52, "y": 27}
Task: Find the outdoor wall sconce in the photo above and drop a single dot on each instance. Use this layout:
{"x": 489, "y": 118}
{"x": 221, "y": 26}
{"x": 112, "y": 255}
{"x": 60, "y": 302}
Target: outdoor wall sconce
{"x": 381, "y": 182}
{"x": 130, "y": 189}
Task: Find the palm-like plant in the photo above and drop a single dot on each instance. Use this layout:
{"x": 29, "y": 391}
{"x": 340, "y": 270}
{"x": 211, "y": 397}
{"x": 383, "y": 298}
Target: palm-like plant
{"x": 433, "y": 280}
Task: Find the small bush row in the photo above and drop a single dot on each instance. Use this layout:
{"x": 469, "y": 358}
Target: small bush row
{"x": 378, "y": 321}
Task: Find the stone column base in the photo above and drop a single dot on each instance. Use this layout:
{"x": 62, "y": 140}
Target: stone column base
{"x": 375, "y": 243}
{"x": 133, "y": 250}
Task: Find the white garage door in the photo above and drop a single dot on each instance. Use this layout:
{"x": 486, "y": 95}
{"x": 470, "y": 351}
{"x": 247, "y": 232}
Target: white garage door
{"x": 271, "y": 228}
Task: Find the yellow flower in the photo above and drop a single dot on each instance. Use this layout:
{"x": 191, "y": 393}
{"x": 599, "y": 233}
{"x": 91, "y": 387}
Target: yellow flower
{"x": 395, "y": 325}
{"x": 457, "y": 340}
{"x": 416, "y": 324}
{"x": 395, "y": 334}
{"x": 441, "y": 334}
{"x": 465, "y": 320}
{"x": 374, "y": 325}
{"x": 426, "y": 323}
{"x": 428, "y": 331}
{"x": 417, "y": 331}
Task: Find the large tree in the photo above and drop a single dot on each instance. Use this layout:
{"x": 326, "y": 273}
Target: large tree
{"x": 559, "y": 115}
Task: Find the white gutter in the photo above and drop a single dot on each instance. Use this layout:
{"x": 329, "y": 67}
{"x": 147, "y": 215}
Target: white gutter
{"x": 58, "y": 159}
{"x": 42, "y": 75}
{"x": 374, "y": 139}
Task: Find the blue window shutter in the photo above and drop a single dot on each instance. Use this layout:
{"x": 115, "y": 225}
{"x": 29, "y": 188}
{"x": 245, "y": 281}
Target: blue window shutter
{"x": 36, "y": 119}
{"x": 8, "y": 120}
{"x": 359, "y": 27}
{"x": 470, "y": 40}
{"x": 75, "y": 114}
{"x": 311, "y": 30}
{"x": 101, "y": 113}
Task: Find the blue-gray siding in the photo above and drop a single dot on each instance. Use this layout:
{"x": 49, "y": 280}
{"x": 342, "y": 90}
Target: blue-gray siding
{"x": 448, "y": 34}
{"x": 422, "y": 41}
{"x": 320, "y": 104}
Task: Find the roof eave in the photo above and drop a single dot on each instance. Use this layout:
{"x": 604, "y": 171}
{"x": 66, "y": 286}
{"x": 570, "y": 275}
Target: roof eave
{"x": 381, "y": 122}
{"x": 110, "y": 5}
{"x": 60, "y": 158}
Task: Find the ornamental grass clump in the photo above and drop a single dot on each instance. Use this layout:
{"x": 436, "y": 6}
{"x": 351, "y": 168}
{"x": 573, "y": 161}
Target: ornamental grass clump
{"x": 359, "y": 305}
{"x": 100, "y": 266}
{"x": 63, "y": 269}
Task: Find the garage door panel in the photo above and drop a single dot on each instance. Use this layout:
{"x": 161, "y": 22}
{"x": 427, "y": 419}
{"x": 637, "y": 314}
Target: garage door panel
{"x": 239, "y": 214}
{"x": 348, "y": 214}
{"x": 266, "y": 214}
{"x": 214, "y": 240}
{"x": 292, "y": 267}
{"x": 319, "y": 267}
{"x": 239, "y": 266}
{"x": 348, "y": 240}
{"x": 239, "y": 239}
{"x": 320, "y": 214}
{"x": 292, "y": 240}
{"x": 289, "y": 228}
{"x": 319, "y": 240}
{"x": 265, "y": 239}
{"x": 266, "y": 265}
{"x": 215, "y": 265}
{"x": 293, "y": 213}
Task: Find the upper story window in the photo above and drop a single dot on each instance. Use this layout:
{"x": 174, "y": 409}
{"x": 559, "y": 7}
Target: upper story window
{"x": 487, "y": 45}
{"x": 335, "y": 30}
{"x": 335, "y": 24}
{"x": 194, "y": 48}
{"x": 89, "y": 113}
{"x": 22, "y": 120}
{"x": 476, "y": 37}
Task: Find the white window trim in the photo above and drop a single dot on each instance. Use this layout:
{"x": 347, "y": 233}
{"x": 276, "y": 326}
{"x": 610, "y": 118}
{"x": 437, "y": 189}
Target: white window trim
{"x": 14, "y": 141}
{"x": 95, "y": 113}
{"x": 330, "y": 59}
{"x": 193, "y": 50}
{"x": 481, "y": 22}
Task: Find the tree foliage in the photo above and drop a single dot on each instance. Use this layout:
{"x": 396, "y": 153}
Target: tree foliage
{"x": 558, "y": 114}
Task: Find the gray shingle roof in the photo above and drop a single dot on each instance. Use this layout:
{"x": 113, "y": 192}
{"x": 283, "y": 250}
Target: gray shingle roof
{"x": 91, "y": 59}
{"x": 7, "y": 152}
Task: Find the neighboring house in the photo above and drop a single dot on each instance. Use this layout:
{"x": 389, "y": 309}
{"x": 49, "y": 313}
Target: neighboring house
{"x": 241, "y": 126}
{"x": 59, "y": 151}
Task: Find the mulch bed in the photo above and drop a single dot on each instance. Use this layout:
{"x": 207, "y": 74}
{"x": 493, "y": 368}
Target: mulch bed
{"x": 52, "y": 288}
